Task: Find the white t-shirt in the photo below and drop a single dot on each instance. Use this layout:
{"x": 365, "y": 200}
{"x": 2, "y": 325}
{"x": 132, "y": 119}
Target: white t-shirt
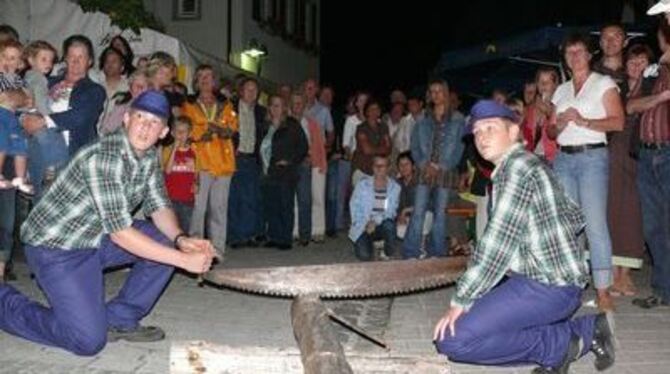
{"x": 349, "y": 134}
{"x": 588, "y": 102}
{"x": 402, "y": 136}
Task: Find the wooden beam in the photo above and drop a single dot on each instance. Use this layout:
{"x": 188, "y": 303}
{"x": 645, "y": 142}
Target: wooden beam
{"x": 196, "y": 357}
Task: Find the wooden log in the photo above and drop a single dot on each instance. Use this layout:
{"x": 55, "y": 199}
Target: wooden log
{"x": 320, "y": 350}
{"x": 196, "y": 357}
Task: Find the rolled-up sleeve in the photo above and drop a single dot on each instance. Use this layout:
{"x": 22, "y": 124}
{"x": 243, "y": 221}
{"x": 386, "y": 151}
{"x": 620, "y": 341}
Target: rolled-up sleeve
{"x": 103, "y": 175}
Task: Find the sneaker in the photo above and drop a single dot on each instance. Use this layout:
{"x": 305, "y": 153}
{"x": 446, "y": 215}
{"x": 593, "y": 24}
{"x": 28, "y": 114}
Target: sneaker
{"x": 570, "y": 356}
{"x": 23, "y": 186}
{"x": 140, "y": 334}
{"x": 650, "y": 302}
{"x": 603, "y": 341}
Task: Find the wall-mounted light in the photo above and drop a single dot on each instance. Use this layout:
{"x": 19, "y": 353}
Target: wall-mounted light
{"x": 255, "y": 49}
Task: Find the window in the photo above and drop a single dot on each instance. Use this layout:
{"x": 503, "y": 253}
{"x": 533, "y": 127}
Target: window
{"x": 186, "y": 10}
{"x": 313, "y": 24}
{"x": 257, "y": 10}
{"x": 299, "y": 20}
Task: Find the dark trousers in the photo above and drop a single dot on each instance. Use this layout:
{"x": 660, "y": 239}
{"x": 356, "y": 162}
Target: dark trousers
{"x": 78, "y": 317}
{"x": 653, "y": 180}
{"x": 363, "y": 247}
{"x": 183, "y": 211}
{"x": 304, "y": 196}
{"x": 245, "y": 220}
{"x": 279, "y": 212}
{"x": 7, "y": 215}
{"x": 519, "y": 322}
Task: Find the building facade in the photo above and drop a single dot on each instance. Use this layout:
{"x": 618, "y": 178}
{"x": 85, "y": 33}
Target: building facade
{"x": 277, "y": 40}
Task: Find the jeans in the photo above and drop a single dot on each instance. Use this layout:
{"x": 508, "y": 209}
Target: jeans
{"x": 279, "y": 200}
{"x": 332, "y": 192}
{"x": 244, "y": 204}
{"x": 337, "y": 191}
{"x": 585, "y": 177}
{"x": 363, "y": 247}
{"x": 78, "y": 317}
{"x": 519, "y": 322}
{"x": 304, "y": 200}
{"x": 653, "y": 180}
{"x": 46, "y": 149}
{"x": 436, "y": 246}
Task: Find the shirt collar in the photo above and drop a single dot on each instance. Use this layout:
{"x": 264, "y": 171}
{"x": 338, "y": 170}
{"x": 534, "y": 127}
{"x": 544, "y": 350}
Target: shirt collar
{"x": 506, "y": 156}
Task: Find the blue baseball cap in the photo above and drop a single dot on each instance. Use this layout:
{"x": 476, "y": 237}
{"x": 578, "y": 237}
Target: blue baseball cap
{"x": 489, "y": 109}
{"x": 154, "y": 102}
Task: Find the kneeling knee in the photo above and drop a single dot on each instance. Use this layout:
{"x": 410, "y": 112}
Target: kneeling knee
{"x": 455, "y": 346}
{"x": 88, "y": 344}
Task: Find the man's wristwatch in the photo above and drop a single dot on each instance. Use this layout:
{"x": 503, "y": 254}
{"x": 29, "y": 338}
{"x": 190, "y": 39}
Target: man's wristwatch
{"x": 176, "y": 239}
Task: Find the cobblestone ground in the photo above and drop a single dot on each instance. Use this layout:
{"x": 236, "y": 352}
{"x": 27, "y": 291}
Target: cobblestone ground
{"x": 188, "y": 312}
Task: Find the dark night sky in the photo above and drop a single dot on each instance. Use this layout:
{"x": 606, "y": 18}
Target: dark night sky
{"x": 377, "y": 46}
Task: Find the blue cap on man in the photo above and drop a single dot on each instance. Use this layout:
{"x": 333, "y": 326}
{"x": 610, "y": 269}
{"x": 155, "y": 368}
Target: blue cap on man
{"x": 489, "y": 109}
{"x": 154, "y": 102}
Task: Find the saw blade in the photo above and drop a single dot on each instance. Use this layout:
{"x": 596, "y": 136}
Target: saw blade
{"x": 345, "y": 280}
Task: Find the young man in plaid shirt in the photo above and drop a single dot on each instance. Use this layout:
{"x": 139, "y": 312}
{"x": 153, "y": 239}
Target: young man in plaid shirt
{"x": 83, "y": 224}
{"x": 524, "y": 281}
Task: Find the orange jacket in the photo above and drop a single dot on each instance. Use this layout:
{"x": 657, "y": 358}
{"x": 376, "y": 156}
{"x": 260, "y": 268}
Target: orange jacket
{"x": 216, "y": 156}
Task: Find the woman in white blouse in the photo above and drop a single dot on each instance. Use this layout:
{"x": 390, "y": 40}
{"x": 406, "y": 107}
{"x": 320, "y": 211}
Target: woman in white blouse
{"x": 586, "y": 108}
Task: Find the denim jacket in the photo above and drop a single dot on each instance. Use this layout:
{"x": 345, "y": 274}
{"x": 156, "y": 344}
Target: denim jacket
{"x": 363, "y": 200}
{"x": 422, "y": 141}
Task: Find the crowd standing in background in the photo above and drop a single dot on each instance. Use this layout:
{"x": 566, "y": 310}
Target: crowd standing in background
{"x": 302, "y": 170}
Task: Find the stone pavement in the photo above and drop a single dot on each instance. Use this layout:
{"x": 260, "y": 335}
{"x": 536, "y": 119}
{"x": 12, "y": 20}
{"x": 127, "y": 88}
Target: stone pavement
{"x": 227, "y": 317}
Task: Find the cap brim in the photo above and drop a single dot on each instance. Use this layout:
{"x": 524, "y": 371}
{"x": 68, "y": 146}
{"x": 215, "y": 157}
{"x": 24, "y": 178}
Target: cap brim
{"x": 658, "y": 8}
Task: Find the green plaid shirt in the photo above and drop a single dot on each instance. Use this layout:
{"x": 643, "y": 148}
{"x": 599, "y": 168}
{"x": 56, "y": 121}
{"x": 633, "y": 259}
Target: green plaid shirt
{"x": 533, "y": 230}
{"x": 96, "y": 195}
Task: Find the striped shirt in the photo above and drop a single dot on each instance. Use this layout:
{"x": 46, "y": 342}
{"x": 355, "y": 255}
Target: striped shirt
{"x": 379, "y": 205}
{"x": 11, "y": 82}
{"x": 532, "y": 230}
{"x": 96, "y": 194}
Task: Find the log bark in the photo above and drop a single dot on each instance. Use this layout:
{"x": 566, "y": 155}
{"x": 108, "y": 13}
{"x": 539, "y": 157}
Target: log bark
{"x": 320, "y": 350}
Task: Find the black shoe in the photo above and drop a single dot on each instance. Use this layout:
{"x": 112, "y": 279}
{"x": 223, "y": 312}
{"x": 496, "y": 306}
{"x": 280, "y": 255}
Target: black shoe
{"x": 140, "y": 334}
{"x": 571, "y": 355}
{"x": 236, "y": 245}
{"x": 284, "y": 247}
{"x": 650, "y": 302}
{"x": 270, "y": 244}
{"x": 304, "y": 242}
{"x": 252, "y": 243}
{"x": 331, "y": 233}
{"x": 603, "y": 341}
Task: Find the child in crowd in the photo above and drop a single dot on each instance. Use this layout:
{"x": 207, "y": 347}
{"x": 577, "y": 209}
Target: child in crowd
{"x": 48, "y": 150}
{"x": 12, "y": 97}
{"x": 13, "y": 140}
{"x": 10, "y": 65}
{"x": 179, "y": 167}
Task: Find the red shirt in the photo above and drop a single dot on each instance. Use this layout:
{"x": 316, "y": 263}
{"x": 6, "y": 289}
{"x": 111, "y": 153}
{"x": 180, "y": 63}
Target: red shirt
{"x": 180, "y": 179}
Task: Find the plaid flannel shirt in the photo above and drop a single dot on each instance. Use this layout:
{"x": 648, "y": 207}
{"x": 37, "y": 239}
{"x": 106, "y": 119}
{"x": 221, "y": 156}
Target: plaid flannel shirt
{"x": 532, "y": 230}
{"x": 96, "y": 195}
